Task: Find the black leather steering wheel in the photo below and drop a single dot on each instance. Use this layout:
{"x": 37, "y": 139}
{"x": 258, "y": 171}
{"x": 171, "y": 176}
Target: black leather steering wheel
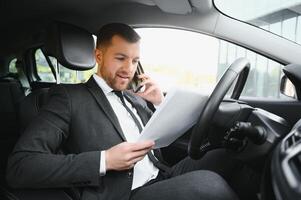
{"x": 240, "y": 68}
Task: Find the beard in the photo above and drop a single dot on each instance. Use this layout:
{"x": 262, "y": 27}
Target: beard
{"x": 115, "y": 80}
{"x": 117, "y": 84}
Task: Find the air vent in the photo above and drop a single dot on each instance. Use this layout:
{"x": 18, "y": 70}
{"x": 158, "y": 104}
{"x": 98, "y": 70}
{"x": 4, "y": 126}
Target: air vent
{"x": 295, "y": 164}
{"x": 293, "y": 140}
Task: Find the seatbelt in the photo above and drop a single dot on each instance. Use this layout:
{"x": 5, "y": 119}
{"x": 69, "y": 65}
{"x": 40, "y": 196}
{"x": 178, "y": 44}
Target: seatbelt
{"x": 156, "y": 162}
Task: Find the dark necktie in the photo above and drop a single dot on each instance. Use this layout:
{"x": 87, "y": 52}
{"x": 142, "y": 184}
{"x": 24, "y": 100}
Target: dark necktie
{"x": 120, "y": 95}
{"x": 150, "y": 155}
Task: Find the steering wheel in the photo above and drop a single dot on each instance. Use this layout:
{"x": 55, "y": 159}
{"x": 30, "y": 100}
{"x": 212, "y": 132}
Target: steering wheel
{"x": 200, "y": 132}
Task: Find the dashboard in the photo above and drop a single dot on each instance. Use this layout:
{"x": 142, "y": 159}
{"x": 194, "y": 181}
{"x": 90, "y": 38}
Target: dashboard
{"x": 286, "y": 166}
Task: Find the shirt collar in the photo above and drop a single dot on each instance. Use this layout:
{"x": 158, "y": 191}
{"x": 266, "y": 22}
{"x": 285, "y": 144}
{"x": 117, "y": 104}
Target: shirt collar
{"x": 102, "y": 84}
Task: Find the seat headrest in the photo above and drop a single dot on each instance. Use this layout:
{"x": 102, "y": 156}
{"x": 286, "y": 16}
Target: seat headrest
{"x": 71, "y": 45}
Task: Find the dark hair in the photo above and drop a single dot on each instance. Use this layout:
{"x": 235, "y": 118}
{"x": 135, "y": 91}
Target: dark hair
{"x": 106, "y": 33}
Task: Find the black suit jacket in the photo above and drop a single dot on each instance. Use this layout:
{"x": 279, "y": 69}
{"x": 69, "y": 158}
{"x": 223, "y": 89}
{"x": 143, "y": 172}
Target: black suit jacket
{"x": 80, "y": 122}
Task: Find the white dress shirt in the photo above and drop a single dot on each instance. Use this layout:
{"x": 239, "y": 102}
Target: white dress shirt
{"x": 144, "y": 170}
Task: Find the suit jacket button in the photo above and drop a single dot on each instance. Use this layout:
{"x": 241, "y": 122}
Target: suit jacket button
{"x": 130, "y": 173}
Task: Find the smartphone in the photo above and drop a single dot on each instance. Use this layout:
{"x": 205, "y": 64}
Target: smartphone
{"x": 135, "y": 84}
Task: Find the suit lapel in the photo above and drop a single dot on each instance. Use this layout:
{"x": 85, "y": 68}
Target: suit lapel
{"x": 103, "y": 102}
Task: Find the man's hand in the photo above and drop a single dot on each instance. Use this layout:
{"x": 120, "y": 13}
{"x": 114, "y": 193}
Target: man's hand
{"x": 125, "y": 155}
{"x": 151, "y": 92}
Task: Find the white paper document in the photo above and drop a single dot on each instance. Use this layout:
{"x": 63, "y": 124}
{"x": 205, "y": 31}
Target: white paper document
{"x": 178, "y": 112}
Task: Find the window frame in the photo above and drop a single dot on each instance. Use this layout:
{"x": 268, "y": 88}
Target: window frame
{"x": 219, "y": 39}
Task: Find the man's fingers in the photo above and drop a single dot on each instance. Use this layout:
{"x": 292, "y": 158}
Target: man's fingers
{"x": 134, "y": 161}
{"x": 147, "y": 82}
{"x": 138, "y": 154}
{"x": 131, "y": 163}
{"x": 149, "y": 90}
{"x": 146, "y": 92}
{"x": 143, "y": 76}
{"x": 142, "y": 145}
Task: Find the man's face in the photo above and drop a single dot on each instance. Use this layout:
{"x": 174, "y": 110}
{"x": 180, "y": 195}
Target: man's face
{"x": 117, "y": 62}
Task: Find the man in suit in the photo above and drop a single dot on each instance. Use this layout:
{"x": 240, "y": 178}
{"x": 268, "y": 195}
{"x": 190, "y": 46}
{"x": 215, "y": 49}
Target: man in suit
{"x": 85, "y": 136}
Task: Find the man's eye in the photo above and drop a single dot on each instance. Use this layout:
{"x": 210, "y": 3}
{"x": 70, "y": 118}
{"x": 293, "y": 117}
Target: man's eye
{"x": 120, "y": 58}
{"x": 135, "y": 61}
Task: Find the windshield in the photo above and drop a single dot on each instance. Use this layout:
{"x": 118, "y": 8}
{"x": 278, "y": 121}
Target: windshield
{"x": 281, "y": 17}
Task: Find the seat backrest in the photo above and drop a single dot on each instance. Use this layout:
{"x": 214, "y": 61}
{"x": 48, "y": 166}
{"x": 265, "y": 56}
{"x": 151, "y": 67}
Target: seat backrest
{"x": 31, "y": 105}
{"x": 73, "y": 47}
{"x": 11, "y": 93}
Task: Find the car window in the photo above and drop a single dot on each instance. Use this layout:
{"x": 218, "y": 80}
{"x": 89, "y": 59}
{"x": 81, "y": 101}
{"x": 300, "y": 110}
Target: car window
{"x": 66, "y": 75}
{"x": 280, "y": 17}
{"x": 73, "y": 76}
{"x": 43, "y": 68}
{"x": 12, "y": 66}
{"x": 197, "y": 61}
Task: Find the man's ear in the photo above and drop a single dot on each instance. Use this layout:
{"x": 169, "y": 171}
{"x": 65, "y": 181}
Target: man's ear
{"x": 98, "y": 55}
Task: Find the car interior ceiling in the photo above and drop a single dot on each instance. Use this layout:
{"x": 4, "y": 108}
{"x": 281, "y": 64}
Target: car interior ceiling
{"x": 93, "y": 14}
{"x": 200, "y": 16}
{"x": 17, "y": 108}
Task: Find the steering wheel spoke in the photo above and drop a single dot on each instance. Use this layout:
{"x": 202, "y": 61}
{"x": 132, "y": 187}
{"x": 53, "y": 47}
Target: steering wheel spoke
{"x": 239, "y": 68}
